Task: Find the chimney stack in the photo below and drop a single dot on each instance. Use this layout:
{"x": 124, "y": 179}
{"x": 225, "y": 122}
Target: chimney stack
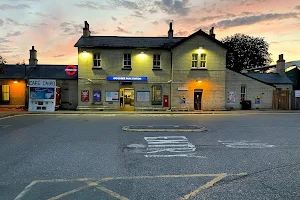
{"x": 86, "y": 29}
{"x": 33, "y": 57}
{"x": 211, "y": 32}
{"x": 170, "y": 33}
{"x": 280, "y": 67}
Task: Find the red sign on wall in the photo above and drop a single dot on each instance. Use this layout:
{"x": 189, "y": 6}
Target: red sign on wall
{"x": 84, "y": 95}
{"x": 71, "y": 70}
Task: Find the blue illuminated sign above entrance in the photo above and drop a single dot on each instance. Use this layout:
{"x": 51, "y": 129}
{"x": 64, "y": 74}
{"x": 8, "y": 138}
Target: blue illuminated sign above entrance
{"x": 126, "y": 78}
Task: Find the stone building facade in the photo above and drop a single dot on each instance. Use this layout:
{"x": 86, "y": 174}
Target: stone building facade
{"x": 163, "y": 73}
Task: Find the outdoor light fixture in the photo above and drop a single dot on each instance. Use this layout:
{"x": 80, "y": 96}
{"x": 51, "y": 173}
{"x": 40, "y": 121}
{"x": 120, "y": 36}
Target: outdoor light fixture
{"x": 142, "y": 55}
{"x": 84, "y": 54}
{"x": 15, "y": 82}
{"x": 200, "y": 50}
{"x": 198, "y": 81}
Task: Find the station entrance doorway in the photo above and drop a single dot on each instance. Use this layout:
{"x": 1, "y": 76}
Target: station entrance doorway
{"x": 127, "y": 99}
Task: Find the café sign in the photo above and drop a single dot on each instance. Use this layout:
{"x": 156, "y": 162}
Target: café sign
{"x": 44, "y": 83}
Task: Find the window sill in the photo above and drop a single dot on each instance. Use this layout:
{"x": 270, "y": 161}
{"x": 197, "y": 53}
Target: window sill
{"x": 199, "y": 68}
{"x": 126, "y": 68}
{"x": 97, "y": 68}
{"x": 157, "y": 69}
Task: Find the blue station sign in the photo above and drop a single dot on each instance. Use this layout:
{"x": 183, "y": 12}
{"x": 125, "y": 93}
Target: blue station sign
{"x": 127, "y": 78}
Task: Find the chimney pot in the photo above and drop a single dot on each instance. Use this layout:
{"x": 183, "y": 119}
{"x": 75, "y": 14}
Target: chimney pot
{"x": 86, "y": 29}
{"x": 33, "y": 56}
{"x": 211, "y": 32}
{"x": 171, "y": 32}
{"x": 280, "y": 67}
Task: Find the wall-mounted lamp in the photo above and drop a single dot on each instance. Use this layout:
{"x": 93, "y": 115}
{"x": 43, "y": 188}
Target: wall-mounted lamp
{"x": 142, "y": 55}
{"x": 198, "y": 81}
{"x": 15, "y": 82}
{"x": 200, "y": 50}
{"x": 84, "y": 54}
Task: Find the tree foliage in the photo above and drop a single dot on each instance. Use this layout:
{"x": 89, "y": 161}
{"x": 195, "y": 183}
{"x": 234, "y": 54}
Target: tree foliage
{"x": 2, "y": 63}
{"x": 245, "y": 52}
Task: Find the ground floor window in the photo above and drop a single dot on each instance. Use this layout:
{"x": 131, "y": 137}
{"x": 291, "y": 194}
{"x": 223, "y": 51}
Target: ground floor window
{"x": 243, "y": 93}
{"x": 156, "y": 95}
{"x": 4, "y": 93}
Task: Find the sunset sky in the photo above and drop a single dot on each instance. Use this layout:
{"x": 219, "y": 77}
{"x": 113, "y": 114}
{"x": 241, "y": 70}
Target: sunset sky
{"x": 54, "y": 26}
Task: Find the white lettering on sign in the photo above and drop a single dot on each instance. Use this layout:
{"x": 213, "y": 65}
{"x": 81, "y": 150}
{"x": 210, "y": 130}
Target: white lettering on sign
{"x": 46, "y": 83}
{"x": 243, "y": 144}
{"x": 171, "y": 144}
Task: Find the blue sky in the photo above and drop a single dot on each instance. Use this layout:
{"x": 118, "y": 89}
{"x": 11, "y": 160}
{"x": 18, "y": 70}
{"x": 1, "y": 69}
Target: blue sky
{"x": 54, "y": 26}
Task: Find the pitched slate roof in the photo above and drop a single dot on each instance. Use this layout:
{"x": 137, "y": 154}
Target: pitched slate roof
{"x": 39, "y": 71}
{"x": 127, "y": 42}
{"x": 270, "y": 78}
{"x": 13, "y": 72}
{"x": 49, "y": 72}
{"x": 138, "y": 42}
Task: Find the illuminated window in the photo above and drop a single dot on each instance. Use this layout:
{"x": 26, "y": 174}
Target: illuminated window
{"x": 97, "y": 60}
{"x": 156, "y": 95}
{"x": 127, "y": 61}
{"x": 203, "y": 60}
{"x": 243, "y": 93}
{"x": 194, "y": 60}
{"x": 5, "y": 93}
{"x": 156, "y": 61}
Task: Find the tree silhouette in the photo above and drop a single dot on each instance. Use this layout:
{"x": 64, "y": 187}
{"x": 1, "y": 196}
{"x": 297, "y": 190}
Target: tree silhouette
{"x": 245, "y": 52}
{"x": 2, "y": 64}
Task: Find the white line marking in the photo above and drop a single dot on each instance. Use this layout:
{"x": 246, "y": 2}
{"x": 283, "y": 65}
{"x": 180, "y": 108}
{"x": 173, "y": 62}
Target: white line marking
{"x": 243, "y": 144}
{"x": 191, "y": 155}
{"x": 4, "y": 126}
{"x": 26, "y": 190}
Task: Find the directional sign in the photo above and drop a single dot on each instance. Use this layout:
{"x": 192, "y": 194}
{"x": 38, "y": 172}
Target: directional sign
{"x": 71, "y": 70}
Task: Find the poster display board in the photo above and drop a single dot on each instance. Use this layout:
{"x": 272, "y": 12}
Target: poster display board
{"x": 182, "y": 99}
{"x": 85, "y": 95}
{"x": 297, "y": 93}
{"x": 97, "y": 95}
{"x": 111, "y": 96}
{"x": 143, "y": 96}
{"x": 42, "y": 95}
{"x": 231, "y": 98}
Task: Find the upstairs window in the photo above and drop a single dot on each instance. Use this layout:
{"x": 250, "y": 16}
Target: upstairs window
{"x": 97, "y": 60}
{"x": 156, "y": 61}
{"x": 194, "y": 60}
{"x": 127, "y": 61}
{"x": 203, "y": 60}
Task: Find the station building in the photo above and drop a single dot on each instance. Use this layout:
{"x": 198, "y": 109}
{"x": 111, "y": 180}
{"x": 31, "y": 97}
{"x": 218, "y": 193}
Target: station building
{"x": 162, "y": 73}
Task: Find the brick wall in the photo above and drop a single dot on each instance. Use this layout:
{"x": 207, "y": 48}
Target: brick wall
{"x": 234, "y": 81}
{"x": 111, "y": 65}
{"x": 212, "y": 79}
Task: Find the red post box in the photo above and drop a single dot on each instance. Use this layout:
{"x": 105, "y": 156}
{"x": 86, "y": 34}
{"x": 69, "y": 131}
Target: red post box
{"x": 166, "y": 101}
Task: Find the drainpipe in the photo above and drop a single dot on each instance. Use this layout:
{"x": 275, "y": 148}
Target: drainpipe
{"x": 171, "y": 81}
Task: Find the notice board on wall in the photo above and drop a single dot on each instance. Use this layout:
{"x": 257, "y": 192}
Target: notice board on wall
{"x": 111, "y": 96}
{"x": 143, "y": 96}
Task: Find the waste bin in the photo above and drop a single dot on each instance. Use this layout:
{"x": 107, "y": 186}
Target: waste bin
{"x": 246, "y": 105}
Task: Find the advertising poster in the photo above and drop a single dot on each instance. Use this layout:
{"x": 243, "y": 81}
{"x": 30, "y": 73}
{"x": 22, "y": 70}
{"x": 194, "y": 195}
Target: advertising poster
{"x": 231, "y": 98}
{"x": 97, "y": 96}
{"x": 182, "y": 100}
{"x": 111, "y": 96}
{"x": 257, "y": 100}
{"x": 41, "y": 93}
{"x": 84, "y": 95}
{"x": 143, "y": 96}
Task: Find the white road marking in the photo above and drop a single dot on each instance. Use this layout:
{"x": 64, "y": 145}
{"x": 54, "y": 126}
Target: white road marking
{"x": 175, "y": 155}
{"x": 243, "y": 144}
{"x": 26, "y": 190}
{"x": 171, "y": 144}
{"x": 4, "y": 126}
